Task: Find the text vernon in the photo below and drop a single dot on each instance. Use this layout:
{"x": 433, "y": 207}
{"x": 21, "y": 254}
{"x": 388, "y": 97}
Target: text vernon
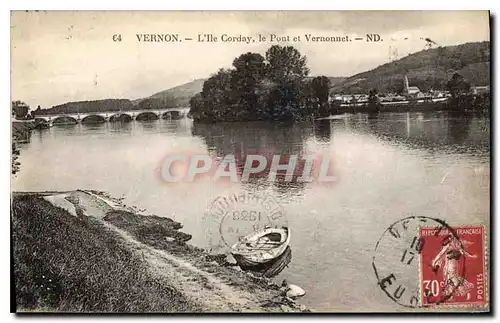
{"x": 167, "y": 38}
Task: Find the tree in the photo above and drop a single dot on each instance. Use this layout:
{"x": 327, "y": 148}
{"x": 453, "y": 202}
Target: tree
{"x": 457, "y": 86}
{"x": 286, "y": 101}
{"x": 320, "y": 88}
{"x": 217, "y": 96}
{"x": 152, "y": 103}
{"x": 37, "y": 111}
{"x": 258, "y": 88}
{"x": 15, "y": 155}
{"x": 285, "y": 62}
{"x": 373, "y": 100}
{"x": 196, "y": 104}
{"x": 250, "y": 70}
{"x": 20, "y": 109}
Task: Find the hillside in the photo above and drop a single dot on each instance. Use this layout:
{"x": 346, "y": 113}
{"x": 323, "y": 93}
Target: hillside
{"x": 88, "y": 106}
{"x": 333, "y": 80}
{"x": 176, "y": 96}
{"x": 183, "y": 91}
{"x": 426, "y": 69}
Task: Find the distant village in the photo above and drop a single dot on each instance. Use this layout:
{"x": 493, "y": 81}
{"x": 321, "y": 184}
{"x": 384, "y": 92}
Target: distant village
{"x": 410, "y": 94}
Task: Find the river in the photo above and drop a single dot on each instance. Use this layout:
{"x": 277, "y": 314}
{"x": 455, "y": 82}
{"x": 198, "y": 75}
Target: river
{"x": 388, "y": 166}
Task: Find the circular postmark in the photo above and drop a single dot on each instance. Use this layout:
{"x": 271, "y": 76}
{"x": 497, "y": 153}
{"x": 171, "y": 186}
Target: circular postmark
{"x": 399, "y": 259}
{"x": 231, "y": 217}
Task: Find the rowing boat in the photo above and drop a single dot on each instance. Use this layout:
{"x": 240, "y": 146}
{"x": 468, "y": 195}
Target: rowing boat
{"x": 261, "y": 247}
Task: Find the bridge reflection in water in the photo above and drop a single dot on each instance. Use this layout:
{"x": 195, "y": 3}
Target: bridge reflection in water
{"x": 113, "y": 116}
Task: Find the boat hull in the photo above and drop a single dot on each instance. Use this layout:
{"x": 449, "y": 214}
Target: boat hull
{"x": 268, "y": 269}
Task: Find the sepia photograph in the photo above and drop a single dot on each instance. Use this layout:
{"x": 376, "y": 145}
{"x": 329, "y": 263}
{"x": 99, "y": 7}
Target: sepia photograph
{"x": 250, "y": 162}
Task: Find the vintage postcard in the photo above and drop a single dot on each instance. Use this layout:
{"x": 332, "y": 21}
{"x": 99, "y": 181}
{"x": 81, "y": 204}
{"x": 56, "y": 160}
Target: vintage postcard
{"x": 250, "y": 161}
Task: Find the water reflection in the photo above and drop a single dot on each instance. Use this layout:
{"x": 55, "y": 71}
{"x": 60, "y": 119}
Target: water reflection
{"x": 435, "y": 131}
{"x": 121, "y": 127}
{"x": 240, "y": 137}
{"x": 92, "y": 126}
{"x": 459, "y": 128}
{"x": 323, "y": 130}
{"x": 182, "y": 126}
{"x": 265, "y": 139}
{"x": 148, "y": 124}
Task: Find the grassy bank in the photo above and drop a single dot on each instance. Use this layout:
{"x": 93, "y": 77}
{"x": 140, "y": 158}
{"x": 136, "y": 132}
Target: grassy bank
{"x": 65, "y": 263}
{"x": 21, "y": 130}
{"x": 79, "y": 251}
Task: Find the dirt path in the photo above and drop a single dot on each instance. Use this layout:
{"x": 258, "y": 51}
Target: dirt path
{"x": 202, "y": 287}
{"x": 213, "y": 288}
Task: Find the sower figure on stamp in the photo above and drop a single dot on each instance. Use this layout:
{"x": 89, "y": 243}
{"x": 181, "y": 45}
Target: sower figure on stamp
{"x": 453, "y": 254}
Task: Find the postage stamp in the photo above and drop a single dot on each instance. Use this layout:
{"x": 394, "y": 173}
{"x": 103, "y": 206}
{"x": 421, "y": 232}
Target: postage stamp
{"x": 452, "y": 266}
{"x": 423, "y": 262}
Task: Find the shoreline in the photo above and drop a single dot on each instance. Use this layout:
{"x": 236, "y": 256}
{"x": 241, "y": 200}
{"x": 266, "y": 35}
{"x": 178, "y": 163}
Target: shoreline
{"x": 144, "y": 262}
{"x": 20, "y": 133}
{"x": 21, "y": 130}
{"x": 410, "y": 107}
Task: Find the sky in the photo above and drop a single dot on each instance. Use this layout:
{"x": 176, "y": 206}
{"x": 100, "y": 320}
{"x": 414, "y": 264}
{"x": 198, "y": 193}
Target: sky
{"x": 64, "y": 56}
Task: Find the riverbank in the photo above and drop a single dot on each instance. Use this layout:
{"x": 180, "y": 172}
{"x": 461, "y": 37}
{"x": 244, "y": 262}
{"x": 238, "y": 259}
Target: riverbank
{"x": 410, "y": 107}
{"x": 85, "y": 252}
{"x": 21, "y": 130}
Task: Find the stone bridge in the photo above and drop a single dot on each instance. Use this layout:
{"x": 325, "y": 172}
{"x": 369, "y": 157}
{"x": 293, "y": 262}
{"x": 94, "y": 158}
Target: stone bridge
{"x": 111, "y": 116}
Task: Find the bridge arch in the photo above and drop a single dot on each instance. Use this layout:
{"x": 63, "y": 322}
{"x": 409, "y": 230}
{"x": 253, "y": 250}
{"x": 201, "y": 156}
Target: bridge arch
{"x": 94, "y": 118}
{"x": 172, "y": 115}
{"x": 121, "y": 117}
{"x": 41, "y": 120}
{"x": 146, "y": 115}
{"x": 64, "y": 120}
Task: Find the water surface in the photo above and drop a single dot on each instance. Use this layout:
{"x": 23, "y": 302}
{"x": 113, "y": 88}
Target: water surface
{"x": 388, "y": 166}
